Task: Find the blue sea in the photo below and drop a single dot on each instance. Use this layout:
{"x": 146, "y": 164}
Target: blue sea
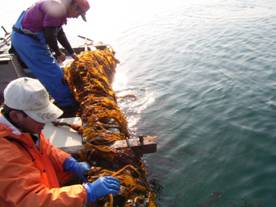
{"x": 204, "y": 76}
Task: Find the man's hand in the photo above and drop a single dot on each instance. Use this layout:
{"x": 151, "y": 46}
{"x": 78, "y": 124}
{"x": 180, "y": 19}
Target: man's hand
{"x": 80, "y": 169}
{"x": 74, "y": 56}
{"x": 60, "y": 58}
{"x": 102, "y": 187}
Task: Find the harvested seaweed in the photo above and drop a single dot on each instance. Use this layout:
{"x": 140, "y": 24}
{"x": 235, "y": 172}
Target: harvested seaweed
{"x": 90, "y": 80}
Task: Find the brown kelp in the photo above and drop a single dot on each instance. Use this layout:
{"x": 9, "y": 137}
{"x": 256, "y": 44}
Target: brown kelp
{"x": 90, "y": 80}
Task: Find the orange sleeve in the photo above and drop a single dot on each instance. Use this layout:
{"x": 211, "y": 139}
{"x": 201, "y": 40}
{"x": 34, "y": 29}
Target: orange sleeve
{"x": 57, "y": 156}
{"x": 21, "y": 186}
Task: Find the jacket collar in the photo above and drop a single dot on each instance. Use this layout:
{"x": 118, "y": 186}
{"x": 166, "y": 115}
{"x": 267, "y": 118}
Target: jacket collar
{"x": 4, "y": 121}
{"x": 10, "y": 130}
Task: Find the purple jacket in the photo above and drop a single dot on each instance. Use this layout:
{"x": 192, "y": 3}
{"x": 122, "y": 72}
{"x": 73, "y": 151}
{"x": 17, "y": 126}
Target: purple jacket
{"x": 45, "y": 13}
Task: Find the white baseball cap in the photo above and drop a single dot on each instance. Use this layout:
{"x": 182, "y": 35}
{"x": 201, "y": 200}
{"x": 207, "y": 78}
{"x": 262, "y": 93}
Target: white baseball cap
{"x": 30, "y": 96}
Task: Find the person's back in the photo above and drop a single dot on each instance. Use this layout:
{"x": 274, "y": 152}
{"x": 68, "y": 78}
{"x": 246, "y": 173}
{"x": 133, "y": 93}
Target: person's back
{"x": 45, "y": 13}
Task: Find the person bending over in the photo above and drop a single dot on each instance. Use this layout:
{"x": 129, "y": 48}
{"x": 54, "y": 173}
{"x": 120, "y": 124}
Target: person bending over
{"x": 36, "y": 35}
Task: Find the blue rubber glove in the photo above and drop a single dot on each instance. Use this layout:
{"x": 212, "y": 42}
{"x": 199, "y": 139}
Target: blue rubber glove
{"x": 102, "y": 187}
{"x": 78, "y": 168}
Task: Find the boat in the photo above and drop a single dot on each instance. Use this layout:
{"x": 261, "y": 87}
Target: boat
{"x": 98, "y": 133}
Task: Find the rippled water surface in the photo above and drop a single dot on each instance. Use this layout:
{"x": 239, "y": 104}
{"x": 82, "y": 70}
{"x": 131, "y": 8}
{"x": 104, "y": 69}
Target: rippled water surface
{"x": 204, "y": 76}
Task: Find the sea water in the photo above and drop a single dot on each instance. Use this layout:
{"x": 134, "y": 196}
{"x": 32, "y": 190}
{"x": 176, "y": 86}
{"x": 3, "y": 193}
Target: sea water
{"x": 205, "y": 77}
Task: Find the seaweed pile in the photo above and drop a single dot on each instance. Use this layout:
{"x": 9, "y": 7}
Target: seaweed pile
{"x": 90, "y": 80}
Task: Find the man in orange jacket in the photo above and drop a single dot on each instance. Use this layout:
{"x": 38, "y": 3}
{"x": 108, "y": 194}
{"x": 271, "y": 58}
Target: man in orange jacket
{"x": 32, "y": 170}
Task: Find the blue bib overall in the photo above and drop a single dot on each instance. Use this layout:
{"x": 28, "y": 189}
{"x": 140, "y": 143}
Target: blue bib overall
{"x": 34, "y": 52}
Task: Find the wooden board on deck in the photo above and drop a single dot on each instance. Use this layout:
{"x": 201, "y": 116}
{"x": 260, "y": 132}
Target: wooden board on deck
{"x": 64, "y": 137}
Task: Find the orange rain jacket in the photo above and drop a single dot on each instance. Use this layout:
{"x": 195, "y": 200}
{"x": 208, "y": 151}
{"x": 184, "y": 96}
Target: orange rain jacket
{"x": 30, "y": 177}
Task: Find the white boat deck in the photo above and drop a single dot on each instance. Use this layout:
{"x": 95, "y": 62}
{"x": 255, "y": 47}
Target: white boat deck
{"x": 63, "y": 136}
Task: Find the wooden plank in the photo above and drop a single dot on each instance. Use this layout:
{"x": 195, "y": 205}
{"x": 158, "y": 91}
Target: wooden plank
{"x": 64, "y": 137}
{"x": 145, "y": 144}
